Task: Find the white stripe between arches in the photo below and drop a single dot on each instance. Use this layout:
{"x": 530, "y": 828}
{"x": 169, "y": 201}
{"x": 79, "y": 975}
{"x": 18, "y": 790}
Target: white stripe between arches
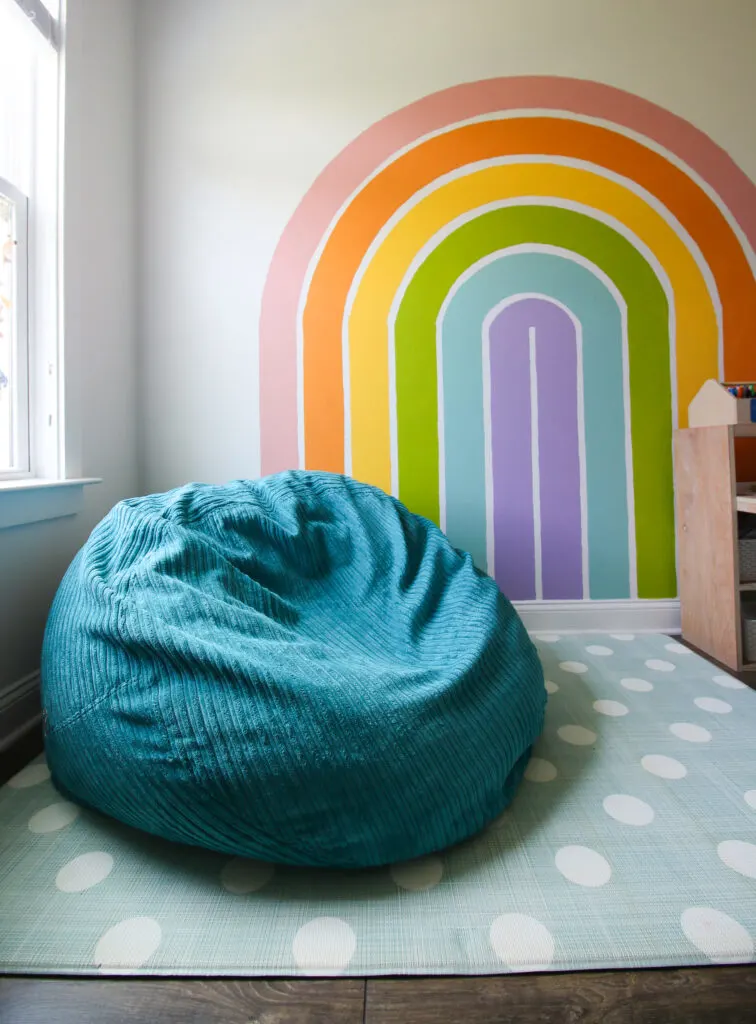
{"x": 534, "y": 460}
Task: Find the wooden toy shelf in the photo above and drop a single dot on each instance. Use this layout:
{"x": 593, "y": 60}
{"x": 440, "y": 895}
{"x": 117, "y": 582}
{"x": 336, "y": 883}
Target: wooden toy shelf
{"x": 706, "y": 506}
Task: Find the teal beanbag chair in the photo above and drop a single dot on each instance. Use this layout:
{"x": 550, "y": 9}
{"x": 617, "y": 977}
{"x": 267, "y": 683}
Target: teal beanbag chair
{"x": 296, "y": 669}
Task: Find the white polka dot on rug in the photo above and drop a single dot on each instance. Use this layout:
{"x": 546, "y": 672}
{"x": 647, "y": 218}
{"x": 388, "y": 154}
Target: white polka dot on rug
{"x": 522, "y": 942}
{"x": 540, "y": 770}
{"x": 575, "y": 668}
{"x": 624, "y": 637}
{"x": 739, "y": 856}
{"x": 84, "y": 871}
{"x": 612, "y": 708}
{"x": 576, "y": 735}
{"x": 598, "y": 650}
{"x": 53, "y": 817}
{"x": 129, "y": 943}
{"x": 547, "y": 638}
{"x": 583, "y": 866}
{"x": 628, "y": 809}
{"x": 676, "y": 648}
{"x": 750, "y": 798}
{"x": 659, "y": 665}
{"x": 324, "y": 945}
{"x": 689, "y": 732}
{"x": 551, "y": 687}
{"x": 729, "y": 683}
{"x": 636, "y": 685}
{"x": 664, "y": 767}
{"x": 713, "y": 705}
{"x": 30, "y": 776}
{"x": 418, "y": 875}
{"x": 717, "y": 935}
{"x": 242, "y": 875}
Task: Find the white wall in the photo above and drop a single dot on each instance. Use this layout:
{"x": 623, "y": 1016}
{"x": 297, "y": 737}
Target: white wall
{"x": 100, "y": 305}
{"x": 242, "y": 103}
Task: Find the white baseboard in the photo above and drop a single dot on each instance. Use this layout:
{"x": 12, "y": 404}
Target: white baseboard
{"x": 600, "y": 616}
{"x": 19, "y": 709}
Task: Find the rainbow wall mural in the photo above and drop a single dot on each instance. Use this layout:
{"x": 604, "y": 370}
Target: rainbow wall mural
{"x": 496, "y": 304}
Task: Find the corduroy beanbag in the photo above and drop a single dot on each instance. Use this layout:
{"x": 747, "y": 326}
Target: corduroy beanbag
{"x": 296, "y": 669}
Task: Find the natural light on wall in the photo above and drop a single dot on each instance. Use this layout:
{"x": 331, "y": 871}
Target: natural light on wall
{"x": 28, "y": 245}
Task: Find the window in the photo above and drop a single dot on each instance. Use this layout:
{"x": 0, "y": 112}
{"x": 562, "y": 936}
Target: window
{"x": 34, "y": 484}
{"x": 29, "y": 441}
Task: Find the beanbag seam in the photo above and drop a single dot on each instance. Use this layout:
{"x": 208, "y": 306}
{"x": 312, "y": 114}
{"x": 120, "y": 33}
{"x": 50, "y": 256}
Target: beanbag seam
{"x": 59, "y": 727}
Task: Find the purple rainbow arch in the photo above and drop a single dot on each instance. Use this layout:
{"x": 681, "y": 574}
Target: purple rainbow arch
{"x": 538, "y": 537}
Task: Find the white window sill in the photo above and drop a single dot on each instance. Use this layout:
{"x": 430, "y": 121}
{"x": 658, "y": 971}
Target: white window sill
{"x": 32, "y": 500}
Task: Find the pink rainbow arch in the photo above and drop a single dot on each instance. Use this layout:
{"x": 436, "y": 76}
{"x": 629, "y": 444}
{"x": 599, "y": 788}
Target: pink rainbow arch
{"x": 357, "y": 161}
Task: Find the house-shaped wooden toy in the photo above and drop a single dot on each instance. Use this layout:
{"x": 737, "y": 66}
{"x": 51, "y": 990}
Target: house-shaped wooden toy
{"x": 715, "y": 405}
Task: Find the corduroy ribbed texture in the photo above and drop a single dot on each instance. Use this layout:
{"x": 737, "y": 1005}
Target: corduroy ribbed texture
{"x": 296, "y": 669}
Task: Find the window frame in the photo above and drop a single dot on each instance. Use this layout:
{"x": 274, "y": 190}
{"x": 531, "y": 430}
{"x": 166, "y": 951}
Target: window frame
{"x": 21, "y": 351}
{"x": 51, "y": 487}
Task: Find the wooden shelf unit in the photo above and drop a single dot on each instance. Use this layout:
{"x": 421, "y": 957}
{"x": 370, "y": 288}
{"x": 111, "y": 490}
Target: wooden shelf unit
{"x": 706, "y": 507}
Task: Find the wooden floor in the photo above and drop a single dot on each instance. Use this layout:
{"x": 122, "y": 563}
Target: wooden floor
{"x": 697, "y": 995}
{"x": 704, "y": 995}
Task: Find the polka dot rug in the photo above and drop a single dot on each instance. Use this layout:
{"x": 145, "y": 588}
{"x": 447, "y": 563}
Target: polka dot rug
{"x": 631, "y": 843}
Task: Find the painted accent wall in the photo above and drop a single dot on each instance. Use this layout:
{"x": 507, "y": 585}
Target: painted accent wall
{"x": 421, "y": 356}
{"x": 481, "y": 255}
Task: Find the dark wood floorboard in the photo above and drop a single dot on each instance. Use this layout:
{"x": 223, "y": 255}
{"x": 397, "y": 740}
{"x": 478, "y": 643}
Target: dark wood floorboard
{"x": 703, "y": 995}
{"x": 190, "y": 1001}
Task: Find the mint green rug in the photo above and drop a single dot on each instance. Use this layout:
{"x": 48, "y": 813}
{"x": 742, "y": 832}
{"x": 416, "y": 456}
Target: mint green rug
{"x": 631, "y": 843}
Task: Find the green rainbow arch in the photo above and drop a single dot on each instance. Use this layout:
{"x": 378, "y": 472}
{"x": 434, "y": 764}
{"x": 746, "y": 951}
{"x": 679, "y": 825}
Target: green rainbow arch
{"x": 649, "y": 365}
